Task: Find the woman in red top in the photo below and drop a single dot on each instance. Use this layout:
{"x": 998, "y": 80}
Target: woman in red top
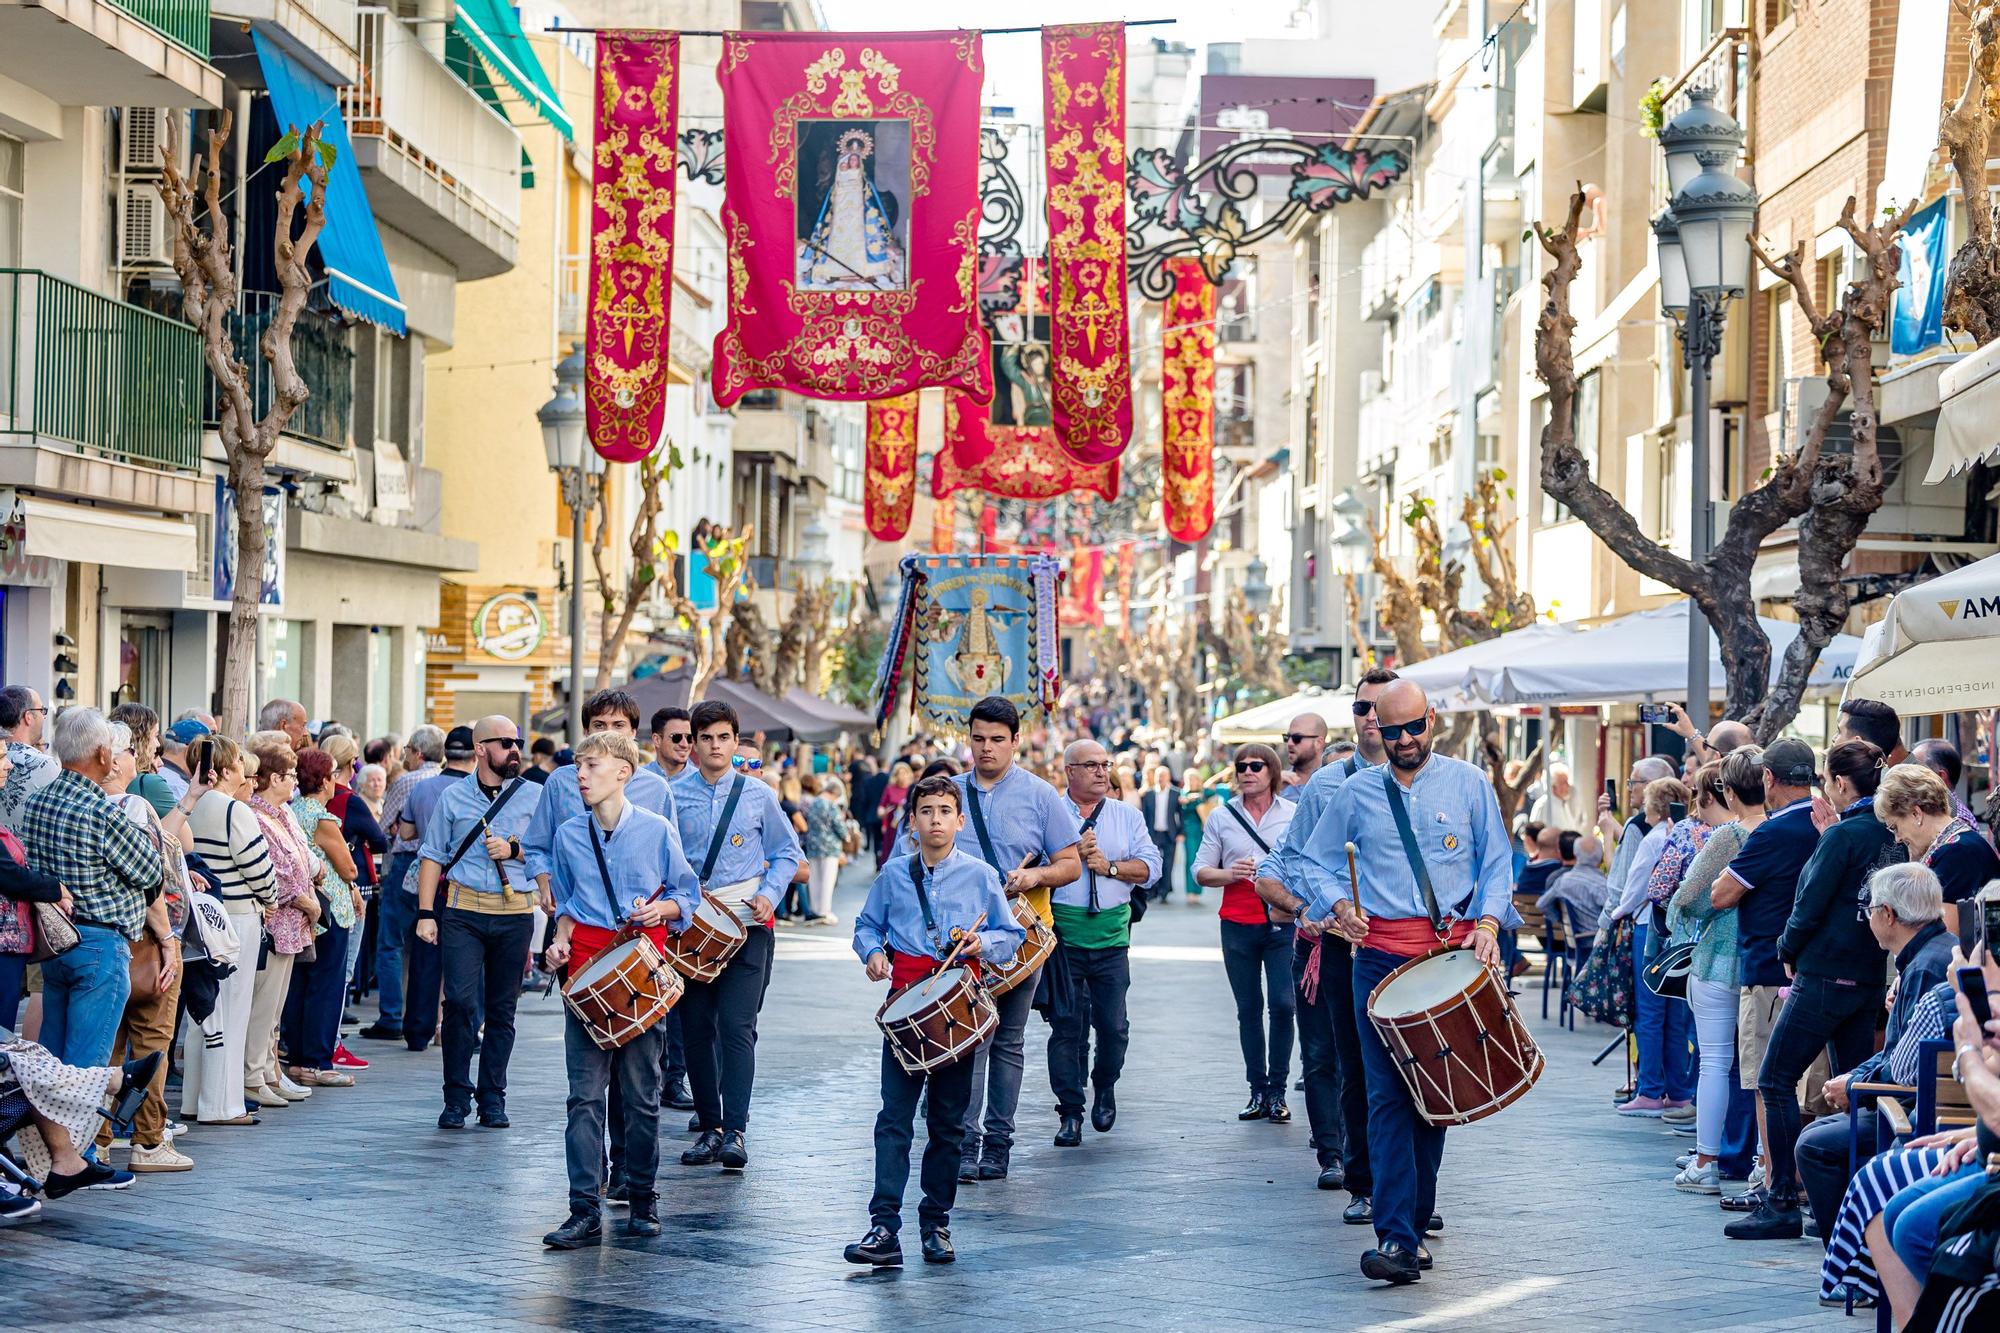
{"x": 889, "y": 813}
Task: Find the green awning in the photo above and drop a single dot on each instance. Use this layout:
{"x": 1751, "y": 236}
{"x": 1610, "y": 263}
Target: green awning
{"x": 491, "y": 26}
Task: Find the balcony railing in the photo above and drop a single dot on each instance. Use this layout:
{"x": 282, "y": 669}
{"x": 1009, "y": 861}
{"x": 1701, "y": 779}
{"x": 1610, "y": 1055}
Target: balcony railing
{"x": 186, "y": 21}
{"x": 101, "y": 374}
{"x": 325, "y": 362}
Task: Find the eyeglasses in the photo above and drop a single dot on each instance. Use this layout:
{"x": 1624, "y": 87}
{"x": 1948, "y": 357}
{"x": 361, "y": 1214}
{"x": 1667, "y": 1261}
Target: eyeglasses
{"x": 1094, "y": 765}
{"x": 680, "y": 737}
{"x": 1363, "y": 707}
{"x": 1300, "y": 738}
{"x": 1396, "y": 731}
{"x": 1250, "y": 766}
{"x": 504, "y": 742}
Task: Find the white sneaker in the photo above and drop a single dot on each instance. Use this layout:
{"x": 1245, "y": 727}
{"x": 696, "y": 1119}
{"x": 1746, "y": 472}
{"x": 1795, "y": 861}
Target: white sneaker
{"x": 294, "y": 1091}
{"x": 161, "y": 1158}
{"x": 1681, "y": 1162}
{"x": 174, "y": 1129}
{"x": 1756, "y": 1180}
{"x": 1700, "y": 1179}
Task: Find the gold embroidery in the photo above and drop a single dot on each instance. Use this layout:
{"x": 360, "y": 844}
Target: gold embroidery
{"x": 739, "y": 272}
{"x": 735, "y": 50}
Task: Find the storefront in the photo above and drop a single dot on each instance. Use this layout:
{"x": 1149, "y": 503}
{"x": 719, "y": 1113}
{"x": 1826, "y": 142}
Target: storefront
{"x": 491, "y": 653}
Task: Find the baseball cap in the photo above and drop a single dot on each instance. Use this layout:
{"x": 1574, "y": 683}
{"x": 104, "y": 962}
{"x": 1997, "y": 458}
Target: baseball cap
{"x": 1790, "y": 762}
{"x": 458, "y": 743}
{"x": 187, "y": 731}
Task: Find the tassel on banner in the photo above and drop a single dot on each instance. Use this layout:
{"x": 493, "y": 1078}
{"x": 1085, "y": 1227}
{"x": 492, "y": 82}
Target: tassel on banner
{"x": 890, "y": 481}
{"x": 1187, "y": 404}
{"x": 632, "y": 192}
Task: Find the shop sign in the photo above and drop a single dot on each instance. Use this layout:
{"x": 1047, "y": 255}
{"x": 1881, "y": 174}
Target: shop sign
{"x": 223, "y": 560}
{"x": 508, "y": 627}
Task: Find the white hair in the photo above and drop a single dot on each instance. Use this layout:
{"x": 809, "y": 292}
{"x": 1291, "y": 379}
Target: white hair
{"x": 276, "y": 713}
{"x": 1653, "y": 767}
{"x": 79, "y": 734}
{"x": 428, "y": 741}
{"x": 1077, "y": 748}
{"x": 121, "y": 737}
{"x": 366, "y": 769}
{"x": 1910, "y": 890}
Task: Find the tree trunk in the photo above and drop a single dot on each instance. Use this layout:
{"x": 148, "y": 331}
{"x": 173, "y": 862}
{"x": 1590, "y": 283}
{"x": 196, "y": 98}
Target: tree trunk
{"x": 246, "y": 483}
{"x": 1965, "y": 129}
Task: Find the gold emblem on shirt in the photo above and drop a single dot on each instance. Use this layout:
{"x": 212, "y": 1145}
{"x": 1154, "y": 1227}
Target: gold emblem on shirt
{"x": 1451, "y": 842}
{"x": 736, "y": 840}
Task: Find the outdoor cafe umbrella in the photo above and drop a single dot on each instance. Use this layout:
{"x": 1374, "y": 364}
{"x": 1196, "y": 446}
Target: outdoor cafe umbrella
{"x": 1938, "y": 649}
{"x": 1445, "y": 677}
{"x": 1267, "y": 722}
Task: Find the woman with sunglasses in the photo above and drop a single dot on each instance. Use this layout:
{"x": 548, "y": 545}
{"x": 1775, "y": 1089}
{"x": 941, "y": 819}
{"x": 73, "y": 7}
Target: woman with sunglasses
{"x": 1256, "y": 951}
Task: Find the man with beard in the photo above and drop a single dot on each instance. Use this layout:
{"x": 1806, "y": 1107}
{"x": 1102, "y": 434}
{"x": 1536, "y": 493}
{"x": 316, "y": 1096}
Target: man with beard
{"x": 472, "y": 852}
{"x": 1323, "y": 971}
{"x": 1434, "y": 857}
{"x": 1305, "y": 743}
{"x": 673, "y": 742}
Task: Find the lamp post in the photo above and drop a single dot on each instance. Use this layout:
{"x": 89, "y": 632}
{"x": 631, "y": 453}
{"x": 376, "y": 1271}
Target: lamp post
{"x": 1703, "y": 248}
{"x": 813, "y": 565}
{"x": 575, "y": 464}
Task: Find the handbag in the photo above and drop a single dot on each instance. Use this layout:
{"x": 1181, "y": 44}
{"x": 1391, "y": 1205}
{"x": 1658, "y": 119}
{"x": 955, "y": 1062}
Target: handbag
{"x": 144, "y": 969}
{"x": 1667, "y": 975}
{"x": 1603, "y": 989}
{"x": 55, "y": 933}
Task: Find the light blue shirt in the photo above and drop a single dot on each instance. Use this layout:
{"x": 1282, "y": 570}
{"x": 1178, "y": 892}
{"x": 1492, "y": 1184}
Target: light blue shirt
{"x": 961, "y": 888}
{"x": 654, "y": 768}
{"x": 1460, "y": 835}
{"x": 643, "y": 853}
{"x": 460, "y": 803}
{"x": 1308, "y": 805}
{"x": 1121, "y": 836}
{"x": 562, "y": 801}
{"x": 759, "y": 843}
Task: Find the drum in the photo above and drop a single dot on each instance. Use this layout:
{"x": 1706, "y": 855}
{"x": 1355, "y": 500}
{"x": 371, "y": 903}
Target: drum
{"x": 937, "y": 1020}
{"x": 1029, "y": 955}
{"x": 1458, "y": 1040}
{"x": 623, "y": 991}
{"x": 711, "y": 939}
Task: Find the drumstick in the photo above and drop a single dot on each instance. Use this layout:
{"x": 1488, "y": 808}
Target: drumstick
{"x": 1353, "y": 877}
{"x": 952, "y": 957}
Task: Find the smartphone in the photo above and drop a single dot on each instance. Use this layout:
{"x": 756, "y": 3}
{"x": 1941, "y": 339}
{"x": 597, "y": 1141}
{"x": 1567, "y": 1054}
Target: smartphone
{"x": 1677, "y": 811}
{"x": 1611, "y": 791}
{"x": 1655, "y": 715}
{"x": 1989, "y": 923}
{"x": 1972, "y": 985}
{"x": 205, "y": 766}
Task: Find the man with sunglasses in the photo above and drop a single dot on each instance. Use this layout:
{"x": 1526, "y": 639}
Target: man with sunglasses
{"x": 673, "y": 742}
{"x": 1305, "y": 744}
{"x": 1434, "y": 858}
{"x": 1323, "y": 971}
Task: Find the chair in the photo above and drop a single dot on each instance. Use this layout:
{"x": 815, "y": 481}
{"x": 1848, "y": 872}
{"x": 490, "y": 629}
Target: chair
{"x": 1575, "y": 943}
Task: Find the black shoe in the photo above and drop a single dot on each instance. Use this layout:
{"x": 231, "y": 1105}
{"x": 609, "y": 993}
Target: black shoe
{"x": 94, "y": 1174}
{"x": 1747, "y": 1202}
{"x": 993, "y": 1163}
{"x": 451, "y": 1118}
{"x": 645, "y": 1219}
{"x": 937, "y": 1247}
{"x": 417, "y": 1047}
{"x": 733, "y": 1155}
{"x": 582, "y": 1229}
{"x": 694, "y": 1124}
{"x": 1423, "y": 1257}
{"x": 618, "y": 1195}
{"x": 1360, "y": 1212}
{"x": 1434, "y": 1227}
{"x": 1275, "y": 1109}
{"x": 968, "y": 1170}
{"x": 1071, "y": 1133}
{"x": 1390, "y": 1263}
{"x": 376, "y": 1032}
{"x": 1333, "y": 1177}
{"x": 1776, "y": 1220}
{"x": 879, "y": 1248}
{"x": 1256, "y": 1110}
{"x": 675, "y": 1097}
{"x": 138, "y": 1077}
{"x": 1103, "y": 1111}
{"x": 706, "y": 1151}
{"x": 495, "y": 1120}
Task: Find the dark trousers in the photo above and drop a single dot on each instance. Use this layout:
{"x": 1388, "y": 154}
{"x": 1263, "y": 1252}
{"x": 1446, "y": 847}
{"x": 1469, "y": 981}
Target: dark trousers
{"x": 1100, "y": 979}
{"x": 1739, "y": 1129}
{"x": 1822, "y": 1157}
{"x": 944, "y": 1123}
{"x": 1819, "y": 1015}
{"x": 483, "y": 956}
{"x": 632, "y": 1074}
{"x": 673, "y": 1058}
{"x": 423, "y": 984}
{"x": 1330, "y": 1059}
{"x": 13, "y": 984}
{"x": 1164, "y": 885}
{"x": 1404, "y": 1150}
{"x": 395, "y": 915}
{"x": 1258, "y": 962}
{"x": 310, "y": 1023}
{"x": 719, "y": 1025}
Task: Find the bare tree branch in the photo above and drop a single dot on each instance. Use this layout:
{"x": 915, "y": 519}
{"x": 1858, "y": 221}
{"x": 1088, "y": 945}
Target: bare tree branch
{"x": 1965, "y": 132}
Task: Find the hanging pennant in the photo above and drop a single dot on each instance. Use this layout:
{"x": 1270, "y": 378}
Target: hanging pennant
{"x": 1084, "y": 112}
{"x": 973, "y": 625}
{"x": 1187, "y": 403}
{"x": 631, "y": 242}
{"x": 1011, "y": 462}
{"x": 890, "y": 484}
{"x": 851, "y": 214}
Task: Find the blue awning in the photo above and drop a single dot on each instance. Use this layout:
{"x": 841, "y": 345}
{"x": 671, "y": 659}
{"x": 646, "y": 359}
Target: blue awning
{"x": 350, "y": 246}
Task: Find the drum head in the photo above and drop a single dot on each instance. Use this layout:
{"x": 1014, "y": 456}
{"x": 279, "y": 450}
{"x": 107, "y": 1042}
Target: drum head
{"x": 923, "y": 995}
{"x": 604, "y": 964}
{"x": 1427, "y": 984}
{"x": 718, "y": 919}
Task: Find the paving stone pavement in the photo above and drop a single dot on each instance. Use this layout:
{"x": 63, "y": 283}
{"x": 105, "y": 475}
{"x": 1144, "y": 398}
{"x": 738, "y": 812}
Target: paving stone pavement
{"x": 352, "y": 1211}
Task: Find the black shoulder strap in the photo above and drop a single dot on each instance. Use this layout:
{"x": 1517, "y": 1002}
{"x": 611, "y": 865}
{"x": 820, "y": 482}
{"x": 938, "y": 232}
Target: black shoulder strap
{"x": 603, "y": 866}
{"x": 923, "y": 898}
{"x": 481, "y": 826}
{"x": 721, "y": 828}
{"x": 979, "y": 826}
{"x": 1353, "y": 765}
{"x": 1400, "y": 810}
{"x": 1248, "y": 827}
{"x": 1089, "y": 875}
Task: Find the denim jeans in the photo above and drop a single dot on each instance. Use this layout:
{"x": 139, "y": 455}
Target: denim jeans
{"x": 13, "y": 981}
{"x": 311, "y": 1021}
{"x": 1819, "y": 1013}
{"x": 1258, "y": 963}
{"x": 997, "y": 1068}
{"x": 83, "y": 996}
{"x": 1666, "y": 1065}
{"x": 398, "y": 912}
{"x": 1911, "y": 1218}
{"x": 1404, "y": 1149}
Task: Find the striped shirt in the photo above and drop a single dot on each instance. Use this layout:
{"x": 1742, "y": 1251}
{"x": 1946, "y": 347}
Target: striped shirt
{"x": 231, "y": 844}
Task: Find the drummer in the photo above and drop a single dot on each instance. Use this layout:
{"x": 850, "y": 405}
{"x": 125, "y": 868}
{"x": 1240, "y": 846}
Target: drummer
{"x": 641, "y": 852}
{"x": 919, "y": 908}
{"x": 1451, "y": 871}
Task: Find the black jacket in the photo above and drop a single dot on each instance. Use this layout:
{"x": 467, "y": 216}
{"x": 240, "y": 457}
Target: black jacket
{"x": 1827, "y": 934}
{"x": 26, "y": 885}
{"x": 1148, "y": 798}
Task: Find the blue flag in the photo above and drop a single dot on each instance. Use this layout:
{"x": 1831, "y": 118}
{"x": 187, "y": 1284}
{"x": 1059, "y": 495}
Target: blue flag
{"x": 1918, "y": 321}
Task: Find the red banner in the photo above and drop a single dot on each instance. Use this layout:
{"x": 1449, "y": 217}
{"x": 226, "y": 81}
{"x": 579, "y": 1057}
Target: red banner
{"x": 890, "y": 480}
{"x": 1187, "y": 403}
{"x": 631, "y": 242}
{"x": 1012, "y": 462}
{"x": 1083, "y": 101}
{"x": 851, "y": 214}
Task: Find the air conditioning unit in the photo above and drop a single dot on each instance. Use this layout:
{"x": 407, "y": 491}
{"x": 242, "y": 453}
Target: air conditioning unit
{"x": 145, "y": 237}
{"x": 143, "y": 141}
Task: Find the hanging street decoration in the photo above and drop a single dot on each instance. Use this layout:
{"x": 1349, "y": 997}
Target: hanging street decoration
{"x": 631, "y": 243}
{"x": 889, "y": 490}
{"x": 1016, "y": 462}
{"x": 1083, "y": 102}
{"x": 851, "y": 215}
{"x": 1187, "y": 403}
{"x": 977, "y": 625}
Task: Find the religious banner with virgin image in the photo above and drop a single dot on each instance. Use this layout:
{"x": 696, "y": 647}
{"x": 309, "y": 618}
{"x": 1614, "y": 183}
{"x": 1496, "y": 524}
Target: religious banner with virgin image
{"x": 631, "y": 242}
{"x": 1083, "y": 102}
{"x": 1187, "y": 403}
{"x": 975, "y": 625}
{"x": 889, "y": 484}
{"x": 851, "y": 215}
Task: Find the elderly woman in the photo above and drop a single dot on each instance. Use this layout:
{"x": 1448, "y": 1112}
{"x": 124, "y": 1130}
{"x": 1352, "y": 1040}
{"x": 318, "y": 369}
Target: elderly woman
{"x": 230, "y": 841}
{"x": 1256, "y": 951}
{"x": 289, "y": 927}
{"x": 146, "y": 781}
{"x": 1665, "y": 1078}
{"x": 1916, "y": 806}
{"x": 311, "y": 1020}
{"x": 826, "y": 836}
{"x": 372, "y": 786}
{"x": 20, "y": 889}
{"x": 65, "y": 1105}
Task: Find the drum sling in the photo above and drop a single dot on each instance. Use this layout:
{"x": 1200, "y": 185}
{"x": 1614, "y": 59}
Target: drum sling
{"x": 721, "y": 829}
{"x": 472, "y": 835}
{"x": 1400, "y": 810}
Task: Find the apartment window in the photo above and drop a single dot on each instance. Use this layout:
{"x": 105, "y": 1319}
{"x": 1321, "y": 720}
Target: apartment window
{"x": 1236, "y": 300}
{"x": 1588, "y": 422}
{"x": 1234, "y": 406}
{"x": 12, "y": 152}
{"x": 1310, "y": 471}
{"x": 392, "y": 388}
{"x": 1780, "y": 309}
{"x": 1668, "y": 467}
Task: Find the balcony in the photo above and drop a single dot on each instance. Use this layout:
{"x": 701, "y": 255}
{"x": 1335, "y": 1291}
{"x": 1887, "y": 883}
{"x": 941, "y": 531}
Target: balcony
{"x": 573, "y": 276}
{"x": 319, "y": 34}
{"x": 764, "y": 426}
{"x": 439, "y": 164}
{"x": 325, "y": 360}
{"x": 94, "y": 53}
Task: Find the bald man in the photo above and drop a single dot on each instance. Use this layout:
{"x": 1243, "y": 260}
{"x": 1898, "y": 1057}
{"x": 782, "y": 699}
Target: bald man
{"x": 472, "y": 852}
{"x": 1305, "y": 745}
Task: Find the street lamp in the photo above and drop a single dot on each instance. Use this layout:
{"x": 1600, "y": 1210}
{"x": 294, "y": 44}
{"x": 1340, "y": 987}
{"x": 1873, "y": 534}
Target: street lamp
{"x": 814, "y": 568}
{"x": 1703, "y": 249}
{"x": 1257, "y": 586}
{"x": 575, "y": 464}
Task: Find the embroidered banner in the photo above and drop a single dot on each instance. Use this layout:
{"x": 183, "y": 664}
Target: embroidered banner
{"x": 889, "y": 489}
{"x": 1012, "y": 462}
{"x": 1187, "y": 403}
{"x": 631, "y": 242}
{"x": 851, "y": 215}
{"x": 1083, "y": 100}
{"x": 978, "y": 625}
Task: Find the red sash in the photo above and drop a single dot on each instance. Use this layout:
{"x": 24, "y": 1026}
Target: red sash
{"x": 586, "y": 942}
{"x": 1412, "y": 936}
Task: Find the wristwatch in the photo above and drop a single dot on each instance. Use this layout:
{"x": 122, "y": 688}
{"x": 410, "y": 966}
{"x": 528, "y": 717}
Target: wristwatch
{"x": 513, "y": 849}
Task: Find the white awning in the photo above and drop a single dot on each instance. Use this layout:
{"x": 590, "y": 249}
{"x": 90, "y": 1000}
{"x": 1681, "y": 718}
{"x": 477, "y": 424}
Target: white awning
{"x": 1934, "y": 651}
{"x": 1968, "y": 429}
{"x": 79, "y": 533}
{"x": 1267, "y": 722}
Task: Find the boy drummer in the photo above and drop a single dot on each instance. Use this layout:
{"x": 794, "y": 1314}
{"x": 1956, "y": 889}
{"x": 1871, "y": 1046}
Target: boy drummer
{"x": 920, "y": 908}
{"x": 605, "y": 868}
